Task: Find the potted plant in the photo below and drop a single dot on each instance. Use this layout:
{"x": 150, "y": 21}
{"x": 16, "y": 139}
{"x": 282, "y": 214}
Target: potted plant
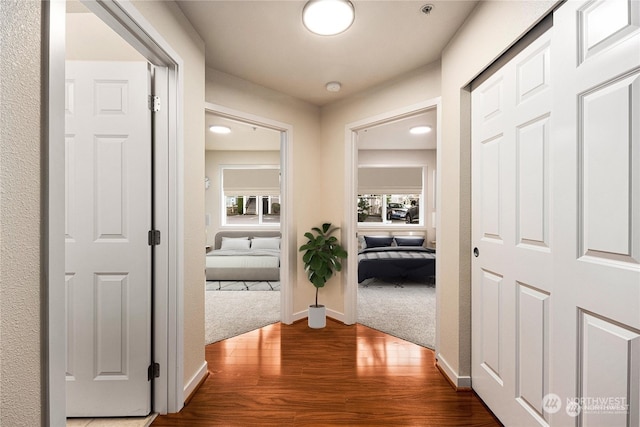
{"x": 322, "y": 255}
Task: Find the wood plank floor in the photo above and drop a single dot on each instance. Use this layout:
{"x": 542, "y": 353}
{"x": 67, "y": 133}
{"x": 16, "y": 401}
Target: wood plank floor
{"x": 290, "y": 375}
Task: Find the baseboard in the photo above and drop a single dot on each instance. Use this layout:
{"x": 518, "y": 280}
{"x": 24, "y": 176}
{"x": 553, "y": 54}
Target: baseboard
{"x": 459, "y": 383}
{"x": 195, "y": 382}
{"x": 335, "y": 315}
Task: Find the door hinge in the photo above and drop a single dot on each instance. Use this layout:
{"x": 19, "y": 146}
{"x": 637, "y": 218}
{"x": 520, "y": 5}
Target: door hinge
{"x": 154, "y": 103}
{"x": 154, "y": 237}
{"x": 153, "y": 371}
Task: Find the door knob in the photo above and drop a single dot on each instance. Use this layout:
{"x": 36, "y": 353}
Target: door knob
{"x": 476, "y": 252}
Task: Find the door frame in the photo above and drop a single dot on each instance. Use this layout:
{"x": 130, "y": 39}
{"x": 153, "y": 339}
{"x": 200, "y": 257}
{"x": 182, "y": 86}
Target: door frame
{"x": 350, "y": 222}
{"x": 127, "y": 21}
{"x": 287, "y": 257}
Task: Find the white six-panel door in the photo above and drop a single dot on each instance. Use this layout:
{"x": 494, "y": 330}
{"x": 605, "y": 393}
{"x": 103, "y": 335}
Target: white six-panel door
{"x": 556, "y": 220}
{"x": 596, "y": 137}
{"x": 511, "y": 231}
{"x": 108, "y": 259}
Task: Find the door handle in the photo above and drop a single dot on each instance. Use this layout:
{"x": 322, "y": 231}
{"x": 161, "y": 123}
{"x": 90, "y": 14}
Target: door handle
{"x": 476, "y": 252}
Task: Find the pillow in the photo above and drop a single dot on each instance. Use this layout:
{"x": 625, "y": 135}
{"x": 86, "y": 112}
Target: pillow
{"x": 265, "y": 243}
{"x": 235, "y": 243}
{"x": 409, "y": 241}
{"x": 378, "y": 242}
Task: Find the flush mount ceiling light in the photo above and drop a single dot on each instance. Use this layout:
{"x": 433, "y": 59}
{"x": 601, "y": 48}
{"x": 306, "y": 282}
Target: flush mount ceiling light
{"x": 328, "y": 17}
{"x": 219, "y": 129}
{"x": 420, "y": 130}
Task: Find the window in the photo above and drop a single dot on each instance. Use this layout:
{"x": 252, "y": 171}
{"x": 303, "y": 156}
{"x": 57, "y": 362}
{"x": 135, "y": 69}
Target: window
{"x": 389, "y": 208}
{"x": 251, "y": 196}
{"x": 390, "y": 195}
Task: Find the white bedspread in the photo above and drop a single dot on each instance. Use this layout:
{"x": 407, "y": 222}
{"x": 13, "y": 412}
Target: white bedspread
{"x": 252, "y": 258}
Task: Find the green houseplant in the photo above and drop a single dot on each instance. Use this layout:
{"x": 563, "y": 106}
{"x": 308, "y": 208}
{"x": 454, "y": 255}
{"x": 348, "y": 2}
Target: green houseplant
{"x": 322, "y": 257}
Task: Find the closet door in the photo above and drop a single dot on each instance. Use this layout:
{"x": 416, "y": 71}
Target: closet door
{"x": 511, "y": 267}
{"x": 595, "y": 336}
{"x": 556, "y": 224}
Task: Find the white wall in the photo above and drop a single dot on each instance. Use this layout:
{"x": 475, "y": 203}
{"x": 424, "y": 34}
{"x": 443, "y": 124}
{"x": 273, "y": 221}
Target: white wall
{"x": 490, "y": 30}
{"x": 213, "y": 198}
{"x": 417, "y": 86}
{"x": 21, "y": 204}
{"x": 85, "y": 31}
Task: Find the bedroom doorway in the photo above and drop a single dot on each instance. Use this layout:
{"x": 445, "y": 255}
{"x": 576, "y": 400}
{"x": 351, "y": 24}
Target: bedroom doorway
{"x": 246, "y": 198}
{"x": 393, "y": 174}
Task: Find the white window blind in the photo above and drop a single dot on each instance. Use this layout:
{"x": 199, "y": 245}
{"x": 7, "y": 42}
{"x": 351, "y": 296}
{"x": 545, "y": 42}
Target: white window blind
{"x": 263, "y": 182}
{"x": 381, "y": 180}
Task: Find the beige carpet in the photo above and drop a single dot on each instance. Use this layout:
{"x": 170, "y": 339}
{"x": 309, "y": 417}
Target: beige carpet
{"x": 231, "y": 313}
{"x": 405, "y": 310}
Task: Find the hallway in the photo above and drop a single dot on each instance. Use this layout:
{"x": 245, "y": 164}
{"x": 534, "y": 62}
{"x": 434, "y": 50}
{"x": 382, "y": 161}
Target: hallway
{"x": 290, "y": 375}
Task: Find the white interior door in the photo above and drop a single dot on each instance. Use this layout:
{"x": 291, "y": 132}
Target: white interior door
{"x": 108, "y": 258}
{"x": 511, "y": 232}
{"x": 595, "y": 332}
{"x": 556, "y": 220}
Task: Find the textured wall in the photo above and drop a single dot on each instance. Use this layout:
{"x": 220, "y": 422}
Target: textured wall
{"x": 20, "y": 213}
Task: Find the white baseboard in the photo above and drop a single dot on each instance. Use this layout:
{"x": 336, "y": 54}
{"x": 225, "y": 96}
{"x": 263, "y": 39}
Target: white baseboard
{"x": 335, "y": 315}
{"x": 300, "y": 315}
{"x": 454, "y": 378}
{"x": 195, "y": 380}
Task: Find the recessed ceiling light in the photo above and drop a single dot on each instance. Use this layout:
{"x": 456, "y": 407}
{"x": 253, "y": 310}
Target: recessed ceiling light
{"x": 219, "y": 129}
{"x": 420, "y": 130}
{"x": 334, "y": 86}
{"x": 328, "y": 17}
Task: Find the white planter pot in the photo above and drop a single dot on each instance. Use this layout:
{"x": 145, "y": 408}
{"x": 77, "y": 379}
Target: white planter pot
{"x": 317, "y": 316}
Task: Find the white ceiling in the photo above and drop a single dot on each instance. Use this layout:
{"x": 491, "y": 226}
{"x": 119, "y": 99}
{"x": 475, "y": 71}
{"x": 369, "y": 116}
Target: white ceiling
{"x": 264, "y": 42}
{"x": 395, "y": 135}
{"x": 243, "y": 136}
{"x": 392, "y": 135}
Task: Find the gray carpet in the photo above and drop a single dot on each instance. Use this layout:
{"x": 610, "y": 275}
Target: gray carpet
{"x": 228, "y": 314}
{"x": 406, "y": 310}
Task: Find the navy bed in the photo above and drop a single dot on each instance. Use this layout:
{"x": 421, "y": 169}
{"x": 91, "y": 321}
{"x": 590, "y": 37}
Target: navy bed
{"x": 407, "y": 262}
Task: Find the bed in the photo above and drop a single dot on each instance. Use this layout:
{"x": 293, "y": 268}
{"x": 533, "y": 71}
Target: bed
{"x": 395, "y": 257}
{"x": 242, "y": 255}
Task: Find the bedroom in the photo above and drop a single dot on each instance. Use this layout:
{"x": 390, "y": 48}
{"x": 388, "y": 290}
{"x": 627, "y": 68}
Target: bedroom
{"x": 396, "y": 226}
{"x": 242, "y": 224}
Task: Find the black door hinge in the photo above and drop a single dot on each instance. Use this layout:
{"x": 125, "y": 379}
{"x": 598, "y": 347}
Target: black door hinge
{"x": 153, "y": 371}
{"x": 154, "y": 237}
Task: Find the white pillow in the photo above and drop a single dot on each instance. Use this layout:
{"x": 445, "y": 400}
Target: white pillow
{"x": 235, "y": 243}
{"x": 265, "y": 243}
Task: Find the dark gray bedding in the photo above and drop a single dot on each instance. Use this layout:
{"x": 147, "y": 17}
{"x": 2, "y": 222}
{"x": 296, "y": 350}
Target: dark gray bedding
{"x": 407, "y": 262}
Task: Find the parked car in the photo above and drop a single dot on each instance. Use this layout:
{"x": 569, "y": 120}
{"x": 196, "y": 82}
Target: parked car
{"x": 413, "y": 213}
{"x": 396, "y": 211}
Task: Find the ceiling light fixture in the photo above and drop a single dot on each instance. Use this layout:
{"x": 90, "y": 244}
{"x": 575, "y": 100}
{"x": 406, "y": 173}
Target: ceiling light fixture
{"x": 420, "y": 130}
{"x": 220, "y": 129}
{"x": 333, "y": 86}
{"x": 328, "y": 17}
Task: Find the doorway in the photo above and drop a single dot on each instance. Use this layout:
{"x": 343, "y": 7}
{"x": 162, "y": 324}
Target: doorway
{"x": 222, "y": 212}
{"x": 385, "y": 225}
{"x": 125, "y": 21}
